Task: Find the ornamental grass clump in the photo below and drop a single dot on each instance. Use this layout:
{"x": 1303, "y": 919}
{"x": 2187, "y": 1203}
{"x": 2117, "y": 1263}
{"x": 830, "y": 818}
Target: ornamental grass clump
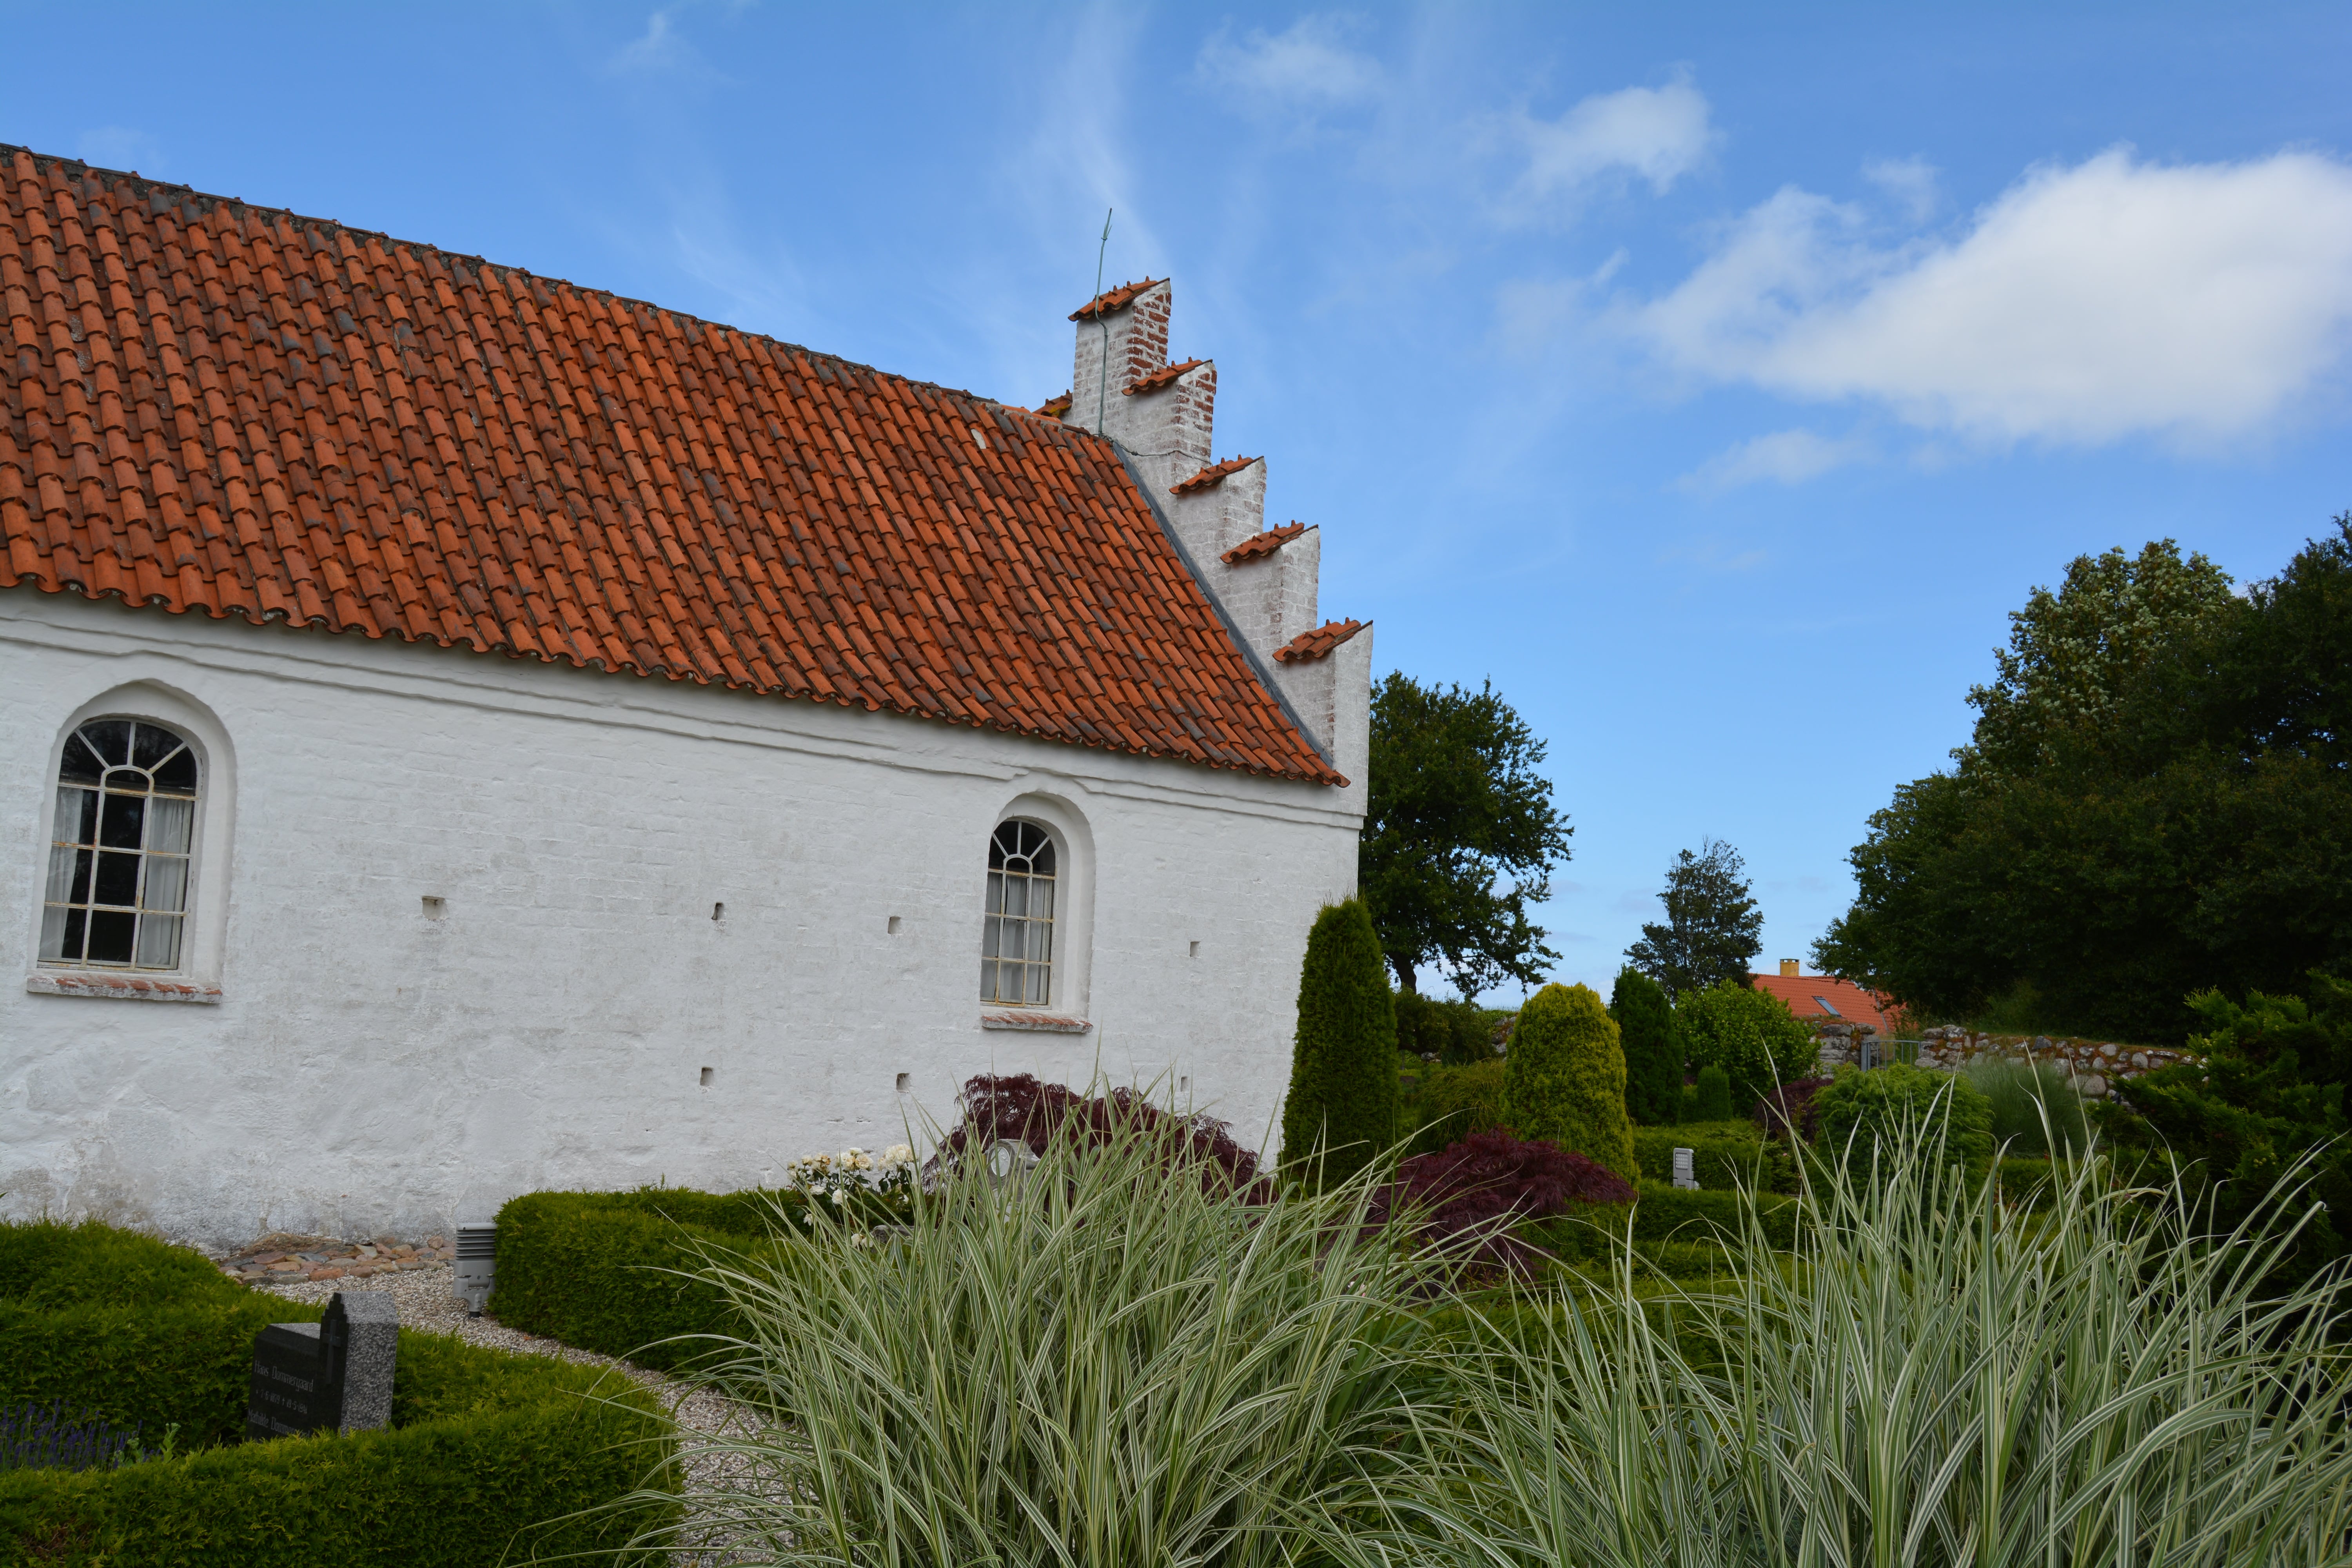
{"x": 1100, "y": 1358}
{"x": 1923, "y": 1376}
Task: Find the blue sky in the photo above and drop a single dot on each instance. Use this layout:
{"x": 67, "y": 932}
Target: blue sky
{"x": 1715, "y": 380}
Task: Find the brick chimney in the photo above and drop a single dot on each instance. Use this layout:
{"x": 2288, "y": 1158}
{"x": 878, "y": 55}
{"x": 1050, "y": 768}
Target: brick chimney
{"x": 1789, "y": 970}
{"x": 1162, "y": 417}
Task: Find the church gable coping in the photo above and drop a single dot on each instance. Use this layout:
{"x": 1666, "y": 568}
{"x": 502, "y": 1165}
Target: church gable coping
{"x": 225, "y": 408}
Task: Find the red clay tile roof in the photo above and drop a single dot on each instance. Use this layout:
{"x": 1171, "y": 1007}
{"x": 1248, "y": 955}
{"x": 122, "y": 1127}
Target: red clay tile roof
{"x": 1215, "y": 475}
{"x": 1165, "y": 376}
{"x": 223, "y": 408}
{"x": 1055, "y": 406}
{"x": 1265, "y": 544}
{"x": 1320, "y": 642}
{"x": 1117, "y": 299}
{"x": 1806, "y": 994}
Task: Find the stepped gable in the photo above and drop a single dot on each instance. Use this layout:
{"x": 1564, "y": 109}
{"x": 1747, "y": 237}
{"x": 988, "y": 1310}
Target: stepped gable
{"x": 1265, "y": 544}
{"x": 1318, "y": 643}
{"x": 1215, "y": 474}
{"x": 221, "y": 408}
{"x": 1165, "y": 378}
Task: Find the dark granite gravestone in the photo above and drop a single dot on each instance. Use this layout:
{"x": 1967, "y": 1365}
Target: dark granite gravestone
{"x": 334, "y": 1375}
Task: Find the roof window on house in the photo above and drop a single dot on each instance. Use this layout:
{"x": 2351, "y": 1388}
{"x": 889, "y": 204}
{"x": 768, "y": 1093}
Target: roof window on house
{"x": 125, "y": 826}
{"x": 1826, "y": 1006}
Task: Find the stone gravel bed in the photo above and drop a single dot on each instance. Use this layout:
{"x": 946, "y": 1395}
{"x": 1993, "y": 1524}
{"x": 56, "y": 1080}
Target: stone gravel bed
{"x": 424, "y": 1291}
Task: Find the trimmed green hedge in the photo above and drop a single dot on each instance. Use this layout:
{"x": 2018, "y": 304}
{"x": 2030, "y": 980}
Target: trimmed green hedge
{"x": 1722, "y": 1154}
{"x": 485, "y": 1448}
{"x": 604, "y": 1270}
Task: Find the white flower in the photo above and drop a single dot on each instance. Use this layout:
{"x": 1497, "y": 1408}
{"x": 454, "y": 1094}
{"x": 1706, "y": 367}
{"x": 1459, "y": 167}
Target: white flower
{"x": 840, "y": 1198}
{"x": 899, "y": 1154}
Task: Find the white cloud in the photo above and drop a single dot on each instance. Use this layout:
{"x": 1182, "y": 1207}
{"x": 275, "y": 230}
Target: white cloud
{"x": 1787, "y": 456}
{"x": 2086, "y": 304}
{"x": 1309, "y": 63}
{"x": 1911, "y": 182}
{"x": 1658, "y": 134}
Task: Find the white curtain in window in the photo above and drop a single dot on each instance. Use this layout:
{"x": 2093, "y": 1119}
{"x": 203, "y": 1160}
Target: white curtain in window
{"x": 169, "y": 822}
{"x": 62, "y": 869}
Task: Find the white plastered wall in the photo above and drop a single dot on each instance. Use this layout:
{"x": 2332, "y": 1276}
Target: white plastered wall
{"x": 368, "y": 1067}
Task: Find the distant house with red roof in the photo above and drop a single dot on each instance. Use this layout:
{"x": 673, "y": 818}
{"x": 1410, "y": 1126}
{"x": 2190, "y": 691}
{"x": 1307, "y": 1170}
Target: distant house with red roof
{"x": 1822, "y": 999}
{"x": 469, "y": 733}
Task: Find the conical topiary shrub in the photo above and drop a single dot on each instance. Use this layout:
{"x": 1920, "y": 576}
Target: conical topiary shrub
{"x": 1566, "y": 1078}
{"x": 1654, "y": 1049}
{"x": 1343, "y": 1069}
{"x": 1709, "y": 1100}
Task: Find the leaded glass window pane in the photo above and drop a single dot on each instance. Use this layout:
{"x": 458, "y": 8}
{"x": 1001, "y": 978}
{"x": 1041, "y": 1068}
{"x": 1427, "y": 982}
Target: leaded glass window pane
{"x": 1016, "y": 928}
{"x": 117, "y": 893}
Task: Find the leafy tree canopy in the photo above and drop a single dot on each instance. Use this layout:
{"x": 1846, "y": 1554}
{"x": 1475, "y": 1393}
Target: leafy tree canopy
{"x": 2158, "y": 801}
{"x": 2073, "y": 656}
{"x": 1713, "y": 930}
{"x": 1750, "y": 1035}
{"x": 1460, "y": 835}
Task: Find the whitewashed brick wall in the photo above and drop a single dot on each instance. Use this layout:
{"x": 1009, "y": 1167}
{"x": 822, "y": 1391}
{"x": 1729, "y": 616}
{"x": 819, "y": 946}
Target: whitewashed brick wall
{"x": 370, "y": 1068}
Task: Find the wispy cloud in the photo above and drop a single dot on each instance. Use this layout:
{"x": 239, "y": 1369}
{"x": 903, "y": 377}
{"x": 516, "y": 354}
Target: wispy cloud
{"x": 2088, "y": 303}
{"x": 1311, "y": 63}
{"x": 1910, "y": 183}
{"x": 1785, "y": 457}
{"x": 660, "y": 50}
{"x": 119, "y": 147}
{"x": 1657, "y": 134}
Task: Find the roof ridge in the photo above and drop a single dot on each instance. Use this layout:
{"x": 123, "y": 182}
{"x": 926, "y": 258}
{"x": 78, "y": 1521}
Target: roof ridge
{"x": 8, "y": 150}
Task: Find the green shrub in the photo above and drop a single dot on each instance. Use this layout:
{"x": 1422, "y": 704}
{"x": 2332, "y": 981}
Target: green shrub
{"x": 614, "y": 1273}
{"x": 1750, "y": 1035}
{"x": 500, "y": 1444}
{"x": 2268, "y": 1085}
{"x": 2028, "y": 1181}
{"x": 1451, "y": 1103}
{"x": 1654, "y": 1050}
{"x": 1455, "y": 1032}
{"x": 1724, "y": 1155}
{"x": 1708, "y": 1100}
{"x": 2029, "y": 1105}
{"x": 1564, "y": 1081}
{"x": 1863, "y": 1111}
{"x": 1343, "y": 1089}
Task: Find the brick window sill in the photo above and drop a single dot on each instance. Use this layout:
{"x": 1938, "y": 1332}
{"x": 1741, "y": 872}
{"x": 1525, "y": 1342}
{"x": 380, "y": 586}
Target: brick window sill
{"x": 1036, "y": 1022}
{"x": 121, "y": 986}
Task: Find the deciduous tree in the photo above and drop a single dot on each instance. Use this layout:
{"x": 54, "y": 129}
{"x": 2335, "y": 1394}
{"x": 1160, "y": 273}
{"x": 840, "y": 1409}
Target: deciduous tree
{"x": 1713, "y": 929}
{"x": 1460, "y": 835}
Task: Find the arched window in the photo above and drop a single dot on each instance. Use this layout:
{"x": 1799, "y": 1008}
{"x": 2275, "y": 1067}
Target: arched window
{"x": 1016, "y": 941}
{"x": 118, "y": 888}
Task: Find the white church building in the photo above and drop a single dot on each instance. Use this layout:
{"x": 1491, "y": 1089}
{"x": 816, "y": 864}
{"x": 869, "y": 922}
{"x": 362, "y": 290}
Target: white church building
{"x": 463, "y": 733}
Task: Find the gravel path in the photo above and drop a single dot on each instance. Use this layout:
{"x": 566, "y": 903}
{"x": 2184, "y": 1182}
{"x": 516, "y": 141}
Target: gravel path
{"x": 427, "y": 1302}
